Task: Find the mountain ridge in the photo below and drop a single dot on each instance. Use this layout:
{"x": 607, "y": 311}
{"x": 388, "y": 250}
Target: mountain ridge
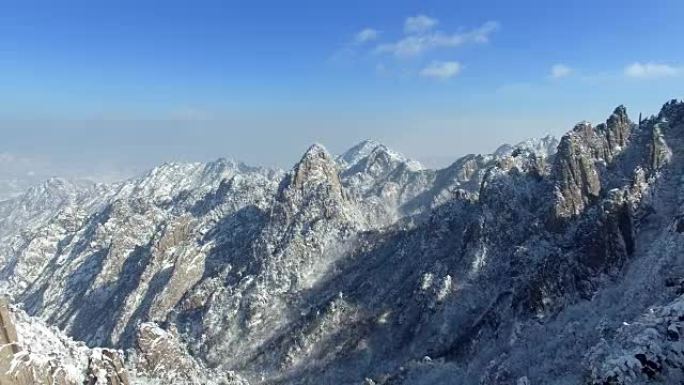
{"x": 369, "y": 267}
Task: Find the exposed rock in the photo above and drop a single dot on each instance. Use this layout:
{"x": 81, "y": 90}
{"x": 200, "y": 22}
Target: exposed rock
{"x": 161, "y": 357}
{"x": 34, "y": 354}
{"x": 9, "y": 348}
{"x": 502, "y": 269}
{"x": 106, "y": 367}
{"x": 316, "y": 169}
{"x": 578, "y": 176}
{"x": 582, "y": 156}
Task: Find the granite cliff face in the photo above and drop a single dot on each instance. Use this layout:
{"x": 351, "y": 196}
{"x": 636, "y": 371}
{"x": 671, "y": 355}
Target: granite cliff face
{"x": 547, "y": 262}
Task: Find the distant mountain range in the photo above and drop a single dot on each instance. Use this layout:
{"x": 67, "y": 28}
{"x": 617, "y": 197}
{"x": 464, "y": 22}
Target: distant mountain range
{"x": 547, "y": 262}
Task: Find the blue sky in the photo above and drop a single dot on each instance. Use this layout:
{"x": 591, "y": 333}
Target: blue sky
{"x": 128, "y": 84}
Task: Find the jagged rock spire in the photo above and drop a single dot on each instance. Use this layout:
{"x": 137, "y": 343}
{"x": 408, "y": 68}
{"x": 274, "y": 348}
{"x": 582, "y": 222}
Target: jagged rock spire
{"x": 577, "y": 174}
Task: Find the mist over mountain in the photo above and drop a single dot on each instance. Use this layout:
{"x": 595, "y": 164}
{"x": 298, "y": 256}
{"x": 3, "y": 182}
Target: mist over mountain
{"x": 18, "y": 173}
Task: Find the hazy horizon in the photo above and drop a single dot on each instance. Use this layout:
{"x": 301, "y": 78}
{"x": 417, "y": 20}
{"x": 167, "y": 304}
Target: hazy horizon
{"x": 108, "y": 90}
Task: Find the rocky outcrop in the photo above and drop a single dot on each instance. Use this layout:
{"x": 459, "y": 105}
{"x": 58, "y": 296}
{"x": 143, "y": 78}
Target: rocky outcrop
{"x": 161, "y": 357}
{"x": 106, "y": 367}
{"x": 648, "y": 350}
{"x": 659, "y": 152}
{"x": 311, "y": 190}
{"x": 33, "y": 354}
{"x": 501, "y": 268}
{"x": 317, "y": 169}
{"x": 582, "y": 156}
{"x": 579, "y": 180}
{"x": 617, "y": 131}
{"x": 9, "y": 348}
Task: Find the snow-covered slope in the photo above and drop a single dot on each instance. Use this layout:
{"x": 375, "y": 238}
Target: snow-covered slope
{"x": 548, "y": 262}
{"x": 34, "y": 353}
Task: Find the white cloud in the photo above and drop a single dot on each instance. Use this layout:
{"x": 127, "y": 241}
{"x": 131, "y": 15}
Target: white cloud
{"x": 414, "y": 45}
{"x": 441, "y": 70}
{"x": 481, "y": 34}
{"x": 651, "y": 70}
{"x": 419, "y": 24}
{"x": 560, "y": 71}
{"x": 366, "y": 35}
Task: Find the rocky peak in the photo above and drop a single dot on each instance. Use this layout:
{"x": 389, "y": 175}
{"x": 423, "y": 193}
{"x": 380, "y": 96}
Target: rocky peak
{"x": 541, "y": 147}
{"x": 382, "y": 181}
{"x": 370, "y": 154}
{"x": 577, "y": 176}
{"x": 316, "y": 151}
{"x": 312, "y": 188}
{"x": 582, "y": 154}
{"x": 672, "y": 110}
{"x": 359, "y": 267}
{"x": 45, "y": 201}
{"x": 57, "y": 189}
{"x": 618, "y": 128}
{"x": 316, "y": 168}
{"x": 162, "y": 182}
{"x": 358, "y": 152}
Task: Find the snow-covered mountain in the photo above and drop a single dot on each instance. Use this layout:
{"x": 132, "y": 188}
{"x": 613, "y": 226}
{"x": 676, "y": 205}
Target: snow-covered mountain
{"x": 547, "y": 262}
